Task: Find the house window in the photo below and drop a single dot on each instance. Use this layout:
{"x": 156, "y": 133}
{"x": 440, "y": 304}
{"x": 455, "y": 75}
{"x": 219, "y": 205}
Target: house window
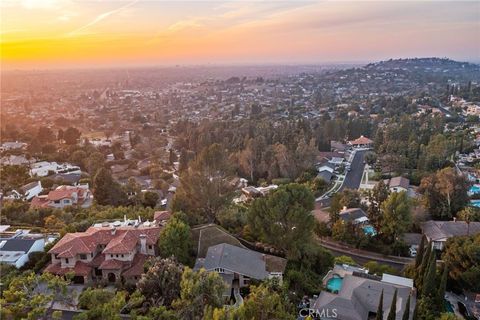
{"x": 150, "y": 246}
{"x": 220, "y": 270}
{"x": 66, "y": 201}
{"x": 66, "y": 260}
{"x": 83, "y": 256}
{"x": 116, "y": 256}
{"x": 57, "y": 201}
{"x": 122, "y": 255}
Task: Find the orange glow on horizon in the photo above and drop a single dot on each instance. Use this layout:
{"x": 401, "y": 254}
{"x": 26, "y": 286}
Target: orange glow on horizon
{"x": 48, "y": 33}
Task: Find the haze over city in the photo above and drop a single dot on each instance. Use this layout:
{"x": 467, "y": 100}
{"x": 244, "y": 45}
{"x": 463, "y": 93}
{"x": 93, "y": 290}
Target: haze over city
{"x": 53, "y": 33}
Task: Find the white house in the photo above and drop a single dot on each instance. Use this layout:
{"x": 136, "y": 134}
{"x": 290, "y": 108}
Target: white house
{"x": 44, "y": 168}
{"x": 15, "y": 251}
{"x": 31, "y": 190}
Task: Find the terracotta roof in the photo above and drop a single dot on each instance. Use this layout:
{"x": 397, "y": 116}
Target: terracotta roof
{"x": 162, "y": 215}
{"x": 80, "y": 269}
{"x": 98, "y": 260}
{"x": 137, "y": 266}
{"x": 112, "y": 264}
{"x": 121, "y": 240}
{"x": 39, "y": 202}
{"x": 62, "y": 193}
{"x": 361, "y": 140}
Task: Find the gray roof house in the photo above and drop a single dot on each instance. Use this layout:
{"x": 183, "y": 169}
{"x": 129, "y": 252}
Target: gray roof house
{"x": 354, "y": 215}
{"x": 238, "y": 265}
{"x": 360, "y": 293}
{"x": 439, "y": 231}
{"x": 15, "y": 251}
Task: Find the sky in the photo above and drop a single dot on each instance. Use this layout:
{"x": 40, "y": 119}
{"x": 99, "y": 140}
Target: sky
{"x": 101, "y": 33}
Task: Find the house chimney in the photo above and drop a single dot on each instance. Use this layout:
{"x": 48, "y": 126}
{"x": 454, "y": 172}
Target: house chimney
{"x": 143, "y": 244}
{"x": 114, "y": 230}
{"x": 344, "y": 208}
{"x": 454, "y": 219}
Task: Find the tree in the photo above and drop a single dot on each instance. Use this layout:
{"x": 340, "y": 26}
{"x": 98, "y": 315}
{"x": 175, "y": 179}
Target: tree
{"x": 94, "y": 162}
{"x": 71, "y": 135}
{"x": 442, "y": 287}
{"x": 462, "y": 258}
{"x": 345, "y": 260}
{"x": 429, "y": 283}
{"x": 106, "y": 191}
{"x": 420, "y": 252}
{"x": 204, "y": 188}
{"x": 379, "y": 315}
{"x": 150, "y": 199}
{"x": 160, "y": 285}
{"x": 396, "y": 215}
{"x": 378, "y": 195}
{"x": 283, "y": 218}
{"x": 175, "y": 240}
{"x": 468, "y": 215}
{"x": 444, "y": 193}
{"x": 406, "y": 313}
{"x": 23, "y": 300}
{"x": 263, "y": 303}
{"x": 106, "y": 309}
{"x": 45, "y": 135}
{"x": 393, "y": 307}
{"x": 198, "y": 290}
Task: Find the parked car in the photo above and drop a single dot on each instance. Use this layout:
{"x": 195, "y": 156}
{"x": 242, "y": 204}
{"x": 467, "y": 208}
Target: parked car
{"x": 412, "y": 252}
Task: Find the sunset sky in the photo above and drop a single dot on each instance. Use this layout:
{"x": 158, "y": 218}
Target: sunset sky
{"x": 65, "y": 33}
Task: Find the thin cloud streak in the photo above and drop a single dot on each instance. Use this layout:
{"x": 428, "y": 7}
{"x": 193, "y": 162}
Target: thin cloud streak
{"x": 100, "y": 18}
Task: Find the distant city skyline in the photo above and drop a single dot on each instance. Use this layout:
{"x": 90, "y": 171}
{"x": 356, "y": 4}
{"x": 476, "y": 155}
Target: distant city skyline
{"x": 64, "y": 33}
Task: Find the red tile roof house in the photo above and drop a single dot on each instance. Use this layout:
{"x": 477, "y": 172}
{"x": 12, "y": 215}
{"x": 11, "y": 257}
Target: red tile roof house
{"x": 361, "y": 142}
{"x": 64, "y": 196}
{"x": 104, "y": 253}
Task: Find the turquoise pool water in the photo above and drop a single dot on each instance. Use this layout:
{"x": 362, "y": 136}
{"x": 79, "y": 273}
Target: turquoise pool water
{"x": 369, "y": 230}
{"x": 449, "y": 307}
{"x": 475, "y": 203}
{"x": 334, "y": 284}
{"x": 475, "y": 189}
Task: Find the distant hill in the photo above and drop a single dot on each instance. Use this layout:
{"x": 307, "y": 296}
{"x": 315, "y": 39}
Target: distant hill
{"x": 431, "y": 64}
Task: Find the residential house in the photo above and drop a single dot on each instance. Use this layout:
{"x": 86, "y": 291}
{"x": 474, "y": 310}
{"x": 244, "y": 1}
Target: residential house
{"x": 64, "y": 196}
{"x": 359, "y": 295}
{"x": 397, "y": 184}
{"x": 6, "y": 146}
{"x": 361, "y": 142}
{"x": 439, "y": 232}
{"x": 15, "y": 246}
{"x": 354, "y": 215}
{"x": 326, "y": 172}
{"x": 31, "y": 190}
{"x": 237, "y": 266}
{"x": 112, "y": 252}
{"x": 15, "y": 251}
{"x": 44, "y": 168}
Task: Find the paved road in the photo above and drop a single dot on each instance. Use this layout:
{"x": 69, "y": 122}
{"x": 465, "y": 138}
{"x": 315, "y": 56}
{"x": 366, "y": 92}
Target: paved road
{"x": 354, "y": 176}
{"x": 363, "y": 256}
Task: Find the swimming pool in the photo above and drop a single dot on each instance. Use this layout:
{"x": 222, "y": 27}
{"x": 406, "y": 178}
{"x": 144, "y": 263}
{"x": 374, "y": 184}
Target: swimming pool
{"x": 449, "y": 307}
{"x": 475, "y": 203}
{"x": 334, "y": 284}
{"x": 369, "y": 230}
{"x": 474, "y": 189}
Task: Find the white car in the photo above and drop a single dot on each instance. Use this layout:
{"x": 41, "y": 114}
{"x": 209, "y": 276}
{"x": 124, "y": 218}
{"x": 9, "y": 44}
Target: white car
{"x": 413, "y": 252}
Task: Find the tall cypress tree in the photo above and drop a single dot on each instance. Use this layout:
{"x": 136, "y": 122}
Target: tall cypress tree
{"x": 406, "y": 313}
{"x": 429, "y": 286}
{"x": 421, "y": 250}
{"x": 441, "y": 289}
{"x": 380, "y": 308}
{"x": 420, "y": 275}
{"x": 393, "y": 307}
